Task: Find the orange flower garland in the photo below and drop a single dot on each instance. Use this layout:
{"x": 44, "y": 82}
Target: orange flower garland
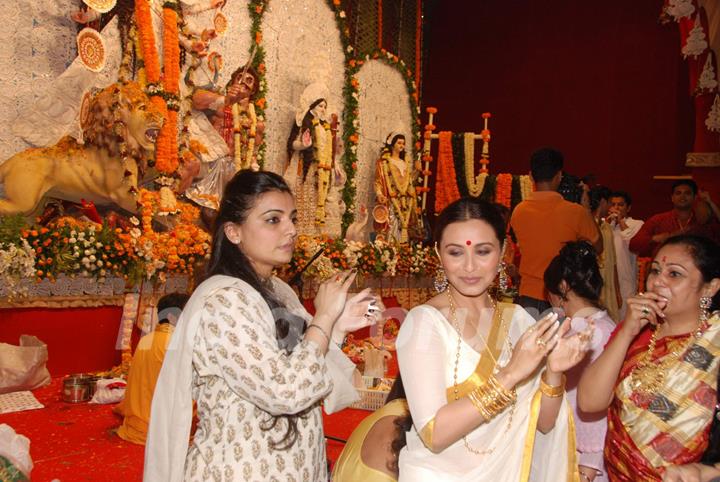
{"x": 503, "y": 189}
{"x": 166, "y": 150}
{"x": 143, "y": 19}
{"x": 446, "y": 190}
{"x": 179, "y": 248}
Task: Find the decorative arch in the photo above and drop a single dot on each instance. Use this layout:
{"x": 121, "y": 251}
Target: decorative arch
{"x": 383, "y": 107}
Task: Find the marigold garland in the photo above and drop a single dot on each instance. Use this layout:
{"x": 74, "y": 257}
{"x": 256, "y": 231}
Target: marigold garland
{"x": 143, "y": 19}
{"x": 446, "y": 190}
{"x": 503, "y": 189}
{"x": 166, "y": 146}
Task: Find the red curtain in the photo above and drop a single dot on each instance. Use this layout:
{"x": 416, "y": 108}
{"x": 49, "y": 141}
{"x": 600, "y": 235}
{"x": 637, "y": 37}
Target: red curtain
{"x": 602, "y": 81}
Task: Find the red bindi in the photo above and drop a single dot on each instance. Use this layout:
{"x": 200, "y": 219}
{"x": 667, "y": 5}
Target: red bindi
{"x": 468, "y": 242}
{"x": 664, "y": 259}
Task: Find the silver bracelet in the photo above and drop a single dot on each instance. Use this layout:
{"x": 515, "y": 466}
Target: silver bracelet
{"x": 313, "y": 325}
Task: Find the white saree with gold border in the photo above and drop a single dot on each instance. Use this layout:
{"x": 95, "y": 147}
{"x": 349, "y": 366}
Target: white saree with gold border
{"x": 427, "y": 349}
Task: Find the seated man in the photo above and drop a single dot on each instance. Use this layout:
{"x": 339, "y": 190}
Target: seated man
{"x": 145, "y": 368}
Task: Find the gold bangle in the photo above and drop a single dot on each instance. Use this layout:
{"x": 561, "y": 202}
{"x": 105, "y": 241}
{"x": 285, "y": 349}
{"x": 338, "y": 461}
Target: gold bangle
{"x": 491, "y": 398}
{"x": 313, "y": 325}
{"x": 550, "y": 390}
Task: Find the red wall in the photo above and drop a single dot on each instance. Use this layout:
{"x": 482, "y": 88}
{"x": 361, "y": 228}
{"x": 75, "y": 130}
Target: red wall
{"x": 78, "y": 339}
{"x": 603, "y": 82}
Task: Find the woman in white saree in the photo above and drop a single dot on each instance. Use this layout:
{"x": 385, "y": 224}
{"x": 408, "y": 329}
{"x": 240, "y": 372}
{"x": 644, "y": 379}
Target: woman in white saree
{"x": 484, "y": 381}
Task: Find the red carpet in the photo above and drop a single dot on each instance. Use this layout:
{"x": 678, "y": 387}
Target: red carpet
{"x": 75, "y": 441}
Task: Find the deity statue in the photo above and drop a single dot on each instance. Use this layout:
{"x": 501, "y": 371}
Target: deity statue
{"x": 233, "y": 116}
{"x": 395, "y": 212}
{"x": 311, "y": 148}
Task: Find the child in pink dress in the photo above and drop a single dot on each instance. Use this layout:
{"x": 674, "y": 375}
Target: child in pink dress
{"x": 574, "y": 284}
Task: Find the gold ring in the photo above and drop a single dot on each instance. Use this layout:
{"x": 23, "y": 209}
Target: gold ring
{"x": 540, "y": 342}
{"x": 645, "y": 310}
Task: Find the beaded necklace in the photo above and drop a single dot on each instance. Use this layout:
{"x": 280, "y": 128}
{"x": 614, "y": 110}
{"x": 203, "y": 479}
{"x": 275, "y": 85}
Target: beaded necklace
{"x": 456, "y": 325}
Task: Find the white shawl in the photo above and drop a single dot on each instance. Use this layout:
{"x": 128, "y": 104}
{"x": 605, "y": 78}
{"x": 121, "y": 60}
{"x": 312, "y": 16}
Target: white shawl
{"x": 172, "y": 405}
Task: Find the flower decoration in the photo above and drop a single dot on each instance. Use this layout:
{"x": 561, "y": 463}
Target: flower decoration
{"x": 377, "y": 259}
{"x": 256, "y": 9}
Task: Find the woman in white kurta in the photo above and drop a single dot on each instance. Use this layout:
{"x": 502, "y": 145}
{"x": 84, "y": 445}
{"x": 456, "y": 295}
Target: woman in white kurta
{"x": 257, "y": 364}
{"x": 483, "y": 380}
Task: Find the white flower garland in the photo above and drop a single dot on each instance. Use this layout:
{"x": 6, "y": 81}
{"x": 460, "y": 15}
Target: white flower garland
{"x": 475, "y": 184}
{"x": 526, "y": 187}
{"x": 16, "y": 264}
{"x": 130, "y": 308}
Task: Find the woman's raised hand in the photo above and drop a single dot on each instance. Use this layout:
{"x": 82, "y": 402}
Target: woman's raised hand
{"x": 361, "y": 310}
{"x": 330, "y": 298}
{"x": 569, "y": 351}
{"x": 643, "y": 308}
{"x": 531, "y": 349}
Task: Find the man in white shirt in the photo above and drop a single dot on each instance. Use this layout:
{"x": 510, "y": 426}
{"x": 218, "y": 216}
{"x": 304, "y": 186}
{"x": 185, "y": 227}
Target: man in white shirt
{"x": 624, "y": 228}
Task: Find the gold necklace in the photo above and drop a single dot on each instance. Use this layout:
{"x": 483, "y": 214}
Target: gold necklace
{"x": 687, "y": 223}
{"x": 456, "y": 325}
{"x": 648, "y": 376}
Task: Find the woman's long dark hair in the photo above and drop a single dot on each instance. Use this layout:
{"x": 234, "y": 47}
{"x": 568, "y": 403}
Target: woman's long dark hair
{"x": 402, "y": 424}
{"x": 239, "y": 197}
{"x": 307, "y": 156}
{"x": 577, "y": 266}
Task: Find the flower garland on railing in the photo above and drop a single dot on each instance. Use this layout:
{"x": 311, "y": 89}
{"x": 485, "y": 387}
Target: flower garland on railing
{"x": 377, "y": 259}
{"x": 257, "y": 8}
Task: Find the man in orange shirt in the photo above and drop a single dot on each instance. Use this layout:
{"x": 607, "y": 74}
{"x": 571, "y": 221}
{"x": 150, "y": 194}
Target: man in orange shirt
{"x": 145, "y": 368}
{"x": 543, "y": 223}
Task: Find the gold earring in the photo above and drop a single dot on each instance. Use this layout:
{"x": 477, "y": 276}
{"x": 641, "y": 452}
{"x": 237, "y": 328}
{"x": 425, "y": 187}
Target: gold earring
{"x": 440, "y": 283}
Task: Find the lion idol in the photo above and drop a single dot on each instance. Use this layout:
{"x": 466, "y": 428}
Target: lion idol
{"x": 120, "y": 127}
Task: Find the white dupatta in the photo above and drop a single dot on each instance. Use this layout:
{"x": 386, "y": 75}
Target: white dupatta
{"x": 172, "y": 406}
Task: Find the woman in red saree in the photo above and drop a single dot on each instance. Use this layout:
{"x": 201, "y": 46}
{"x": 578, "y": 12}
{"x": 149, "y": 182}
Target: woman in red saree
{"x": 658, "y": 375}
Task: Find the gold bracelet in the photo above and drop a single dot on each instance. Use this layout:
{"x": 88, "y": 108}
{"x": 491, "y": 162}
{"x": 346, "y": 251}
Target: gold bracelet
{"x": 550, "y": 390}
{"x": 491, "y": 398}
{"x": 313, "y": 325}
